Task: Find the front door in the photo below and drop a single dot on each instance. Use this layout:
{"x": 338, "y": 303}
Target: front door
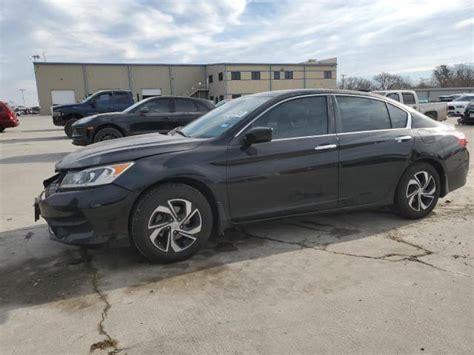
{"x": 152, "y": 116}
{"x": 294, "y": 173}
{"x": 374, "y": 150}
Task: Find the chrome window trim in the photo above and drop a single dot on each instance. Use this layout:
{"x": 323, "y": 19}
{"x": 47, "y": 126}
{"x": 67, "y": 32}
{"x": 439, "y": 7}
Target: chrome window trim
{"x": 382, "y": 98}
{"x": 275, "y": 105}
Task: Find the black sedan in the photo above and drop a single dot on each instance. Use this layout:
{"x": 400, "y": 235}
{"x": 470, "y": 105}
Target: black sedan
{"x": 262, "y": 156}
{"x": 468, "y": 116}
{"x": 156, "y": 114}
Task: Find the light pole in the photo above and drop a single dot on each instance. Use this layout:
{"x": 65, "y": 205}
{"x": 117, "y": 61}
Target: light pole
{"x": 343, "y": 77}
{"x": 23, "y": 96}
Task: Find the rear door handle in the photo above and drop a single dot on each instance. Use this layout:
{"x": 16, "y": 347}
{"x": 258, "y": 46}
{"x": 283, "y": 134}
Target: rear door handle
{"x": 326, "y": 146}
{"x": 403, "y": 139}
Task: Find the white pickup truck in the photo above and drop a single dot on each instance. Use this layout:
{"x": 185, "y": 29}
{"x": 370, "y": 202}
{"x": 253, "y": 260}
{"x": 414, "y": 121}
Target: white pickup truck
{"x": 435, "y": 110}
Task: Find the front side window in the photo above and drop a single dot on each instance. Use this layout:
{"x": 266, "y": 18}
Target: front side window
{"x": 307, "y": 116}
{"x": 156, "y": 106}
{"x": 183, "y": 105}
{"x": 397, "y": 116}
{"x": 223, "y": 118}
{"x": 362, "y": 114}
{"x": 104, "y": 98}
{"x": 408, "y": 98}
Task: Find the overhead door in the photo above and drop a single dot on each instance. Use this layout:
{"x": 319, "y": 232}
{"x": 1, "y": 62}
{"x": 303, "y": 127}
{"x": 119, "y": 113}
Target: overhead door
{"x": 61, "y": 97}
{"x": 146, "y": 93}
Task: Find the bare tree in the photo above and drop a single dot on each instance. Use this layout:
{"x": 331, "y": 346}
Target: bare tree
{"x": 454, "y": 76}
{"x": 387, "y": 81}
{"x": 356, "y": 83}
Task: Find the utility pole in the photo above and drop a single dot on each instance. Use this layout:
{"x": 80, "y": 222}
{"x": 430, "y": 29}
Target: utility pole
{"x": 23, "y": 96}
{"x": 44, "y": 56}
{"x": 343, "y": 77}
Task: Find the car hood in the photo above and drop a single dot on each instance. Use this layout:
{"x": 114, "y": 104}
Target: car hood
{"x": 125, "y": 149}
{"x": 89, "y": 119}
{"x": 64, "y": 107}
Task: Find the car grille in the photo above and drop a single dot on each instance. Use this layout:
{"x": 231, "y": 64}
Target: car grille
{"x": 451, "y": 108}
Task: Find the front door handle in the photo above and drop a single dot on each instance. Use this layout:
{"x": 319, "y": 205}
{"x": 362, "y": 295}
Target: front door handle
{"x": 326, "y": 146}
{"x": 403, "y": 139}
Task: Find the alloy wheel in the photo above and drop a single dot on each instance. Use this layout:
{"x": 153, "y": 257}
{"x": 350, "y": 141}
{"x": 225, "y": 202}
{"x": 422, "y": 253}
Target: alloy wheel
{"x": 421, "y": 191}
{"x": 174, "y": 227}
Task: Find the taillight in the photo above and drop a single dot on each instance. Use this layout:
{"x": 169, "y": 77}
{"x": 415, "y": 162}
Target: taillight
{"x": 462, "y": 140}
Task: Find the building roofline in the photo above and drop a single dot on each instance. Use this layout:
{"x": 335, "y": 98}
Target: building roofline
{"x": 186, "y": 65}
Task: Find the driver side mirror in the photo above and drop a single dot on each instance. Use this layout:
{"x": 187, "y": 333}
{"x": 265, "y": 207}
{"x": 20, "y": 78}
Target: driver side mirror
{"x": 258, "y": 135}
{"x": 144, "y": 110}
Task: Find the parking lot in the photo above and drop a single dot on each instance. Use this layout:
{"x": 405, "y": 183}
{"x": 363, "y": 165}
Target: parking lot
{"x": 359, "y": 282}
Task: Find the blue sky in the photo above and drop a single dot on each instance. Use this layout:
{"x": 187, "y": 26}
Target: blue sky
{"x": 409, "y": 37}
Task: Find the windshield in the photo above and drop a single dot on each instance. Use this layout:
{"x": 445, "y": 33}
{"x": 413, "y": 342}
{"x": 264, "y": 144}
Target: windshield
{"x": 133, "y": 107}
{"x": 87, "y": 99}
{"x": 464, "y": 98}
{"x": 216, "y": 122}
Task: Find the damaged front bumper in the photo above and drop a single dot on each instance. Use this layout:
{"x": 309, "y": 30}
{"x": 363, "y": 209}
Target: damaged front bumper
{"x": 86, "y": 216}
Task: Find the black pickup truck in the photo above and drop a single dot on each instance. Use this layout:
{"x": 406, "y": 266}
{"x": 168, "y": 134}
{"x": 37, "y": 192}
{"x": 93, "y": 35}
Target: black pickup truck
{"x": 99, "y": 102}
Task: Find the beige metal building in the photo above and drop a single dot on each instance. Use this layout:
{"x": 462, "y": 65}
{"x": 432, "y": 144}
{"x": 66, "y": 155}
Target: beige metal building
{"x": 60, "y": 83}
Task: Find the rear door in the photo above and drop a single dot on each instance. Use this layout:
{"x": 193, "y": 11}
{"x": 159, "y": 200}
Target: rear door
{"x": 157, "y": 119}
{"x": 185, "y": 111}
{"x": 121, "y": 100}
{"x": 375, "y": 147}
{"x": 295, "y": 172}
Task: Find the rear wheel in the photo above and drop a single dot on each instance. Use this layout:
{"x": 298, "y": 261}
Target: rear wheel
{"x": 171, "y": 222}
{"x": 68, "y": 127}
{"x": 107, "y": 133}
{"x": 418, "y": 191}
{"x": 2, "y": 128}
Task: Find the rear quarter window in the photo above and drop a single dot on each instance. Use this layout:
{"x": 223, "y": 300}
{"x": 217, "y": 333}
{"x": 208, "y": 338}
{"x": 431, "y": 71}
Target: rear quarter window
{"x": 397, "y": 116}
{"x": 422, "y": 121}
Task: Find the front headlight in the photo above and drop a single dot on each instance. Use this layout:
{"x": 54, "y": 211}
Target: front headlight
{"x": 100, "y": 175}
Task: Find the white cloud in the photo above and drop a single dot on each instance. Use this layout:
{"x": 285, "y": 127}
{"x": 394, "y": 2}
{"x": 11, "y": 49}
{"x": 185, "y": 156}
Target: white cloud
{"x": 367, "y": 36}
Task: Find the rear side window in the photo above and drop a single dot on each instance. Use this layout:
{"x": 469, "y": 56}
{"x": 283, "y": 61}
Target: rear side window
{"x": 397, "y": 116}
{"x": 302, "y": 117}
{"x": 362, "y": 114}
{"x": 394, "y": 96}
{"x": 121, "y": 97}
{"x": 408, "y": 98}
{"x": 183, "y": 105}
{"x": 422, "y": 121}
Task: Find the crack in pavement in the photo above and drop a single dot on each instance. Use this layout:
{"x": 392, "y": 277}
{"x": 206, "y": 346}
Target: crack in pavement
{"x": 108, "y": 342}
{"x": 404, "y": 257}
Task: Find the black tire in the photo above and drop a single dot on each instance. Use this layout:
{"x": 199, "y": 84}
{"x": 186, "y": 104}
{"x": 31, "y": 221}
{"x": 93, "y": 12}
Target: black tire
{"x": 154, "y": 209}
{"x": 107, "y": 133}
{"x": 68, "y": 127}
{"x": 418, "y": 191}
{"x": 2, "y": 128}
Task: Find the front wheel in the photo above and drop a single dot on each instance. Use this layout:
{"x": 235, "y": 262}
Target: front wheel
{"x": 171, "y": 222}
{"x": 418, "y": 191}
{"x": 68, "y": 127}
{"x": 107, "y": 133}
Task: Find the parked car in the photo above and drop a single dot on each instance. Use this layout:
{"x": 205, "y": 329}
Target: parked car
{"x": 156, "y": 114}
{"x": 435, "y": 110}
{"x": 262, "y": 156}
{"x": 458, "y": 106}
{"x": 35, "y": 110}
{"x": 22, "y": 110}
{"x": 8, "y": 117}
{"x": 448, "y": 98}
{"x": 99, "y": 102}
{"x": 468, "y": 116}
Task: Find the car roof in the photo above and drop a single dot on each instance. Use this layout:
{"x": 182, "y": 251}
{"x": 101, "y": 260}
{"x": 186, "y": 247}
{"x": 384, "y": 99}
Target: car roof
{"x": 298, "y": 92}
